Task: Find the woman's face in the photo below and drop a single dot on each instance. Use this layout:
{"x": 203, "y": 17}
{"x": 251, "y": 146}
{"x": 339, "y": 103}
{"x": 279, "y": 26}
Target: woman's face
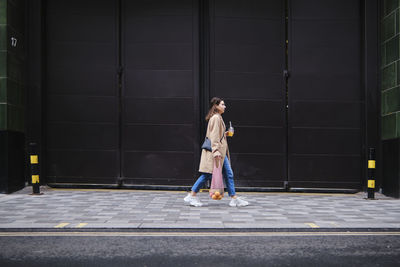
{"x": 221, "y": 107}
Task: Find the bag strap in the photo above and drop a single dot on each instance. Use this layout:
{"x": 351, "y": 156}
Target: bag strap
{"x": 219, "y": 140}
{"x": 222, "y": 135}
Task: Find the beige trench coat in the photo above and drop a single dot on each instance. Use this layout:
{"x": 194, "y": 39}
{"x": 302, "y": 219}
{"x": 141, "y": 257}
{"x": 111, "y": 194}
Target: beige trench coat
{"x": 215, "y": 130}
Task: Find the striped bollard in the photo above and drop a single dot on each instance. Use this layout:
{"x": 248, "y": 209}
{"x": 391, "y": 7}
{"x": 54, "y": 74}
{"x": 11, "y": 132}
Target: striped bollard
{"x": 371, "y": 173}
{"x": 34, "y": 160}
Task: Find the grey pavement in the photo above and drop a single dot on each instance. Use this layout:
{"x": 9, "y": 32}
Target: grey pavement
{"x": 136, "y": 209}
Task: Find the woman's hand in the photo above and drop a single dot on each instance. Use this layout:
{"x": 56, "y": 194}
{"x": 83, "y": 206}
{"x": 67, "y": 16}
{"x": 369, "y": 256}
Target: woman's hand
{"x": 226, "y": 133}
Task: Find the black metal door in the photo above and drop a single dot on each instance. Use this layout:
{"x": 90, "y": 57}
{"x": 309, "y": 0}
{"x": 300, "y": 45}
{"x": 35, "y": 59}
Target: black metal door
{"x": 81, "y": 92}
{"x": 142, "y": 125}
{"x": 160, "y": 92}
{"x": 325, "y": 97}
{"x": 247, "y": 59}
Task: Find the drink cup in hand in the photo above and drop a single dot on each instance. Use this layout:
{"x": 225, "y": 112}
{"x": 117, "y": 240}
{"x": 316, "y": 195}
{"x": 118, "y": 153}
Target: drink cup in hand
{"x": 231, "y": 131}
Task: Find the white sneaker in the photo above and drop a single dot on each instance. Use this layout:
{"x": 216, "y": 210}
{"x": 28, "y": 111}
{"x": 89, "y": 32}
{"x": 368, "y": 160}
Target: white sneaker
{"x": 187, "y": 198}
{"x": 193, "y": 201}
{"x": 238, "y": 202}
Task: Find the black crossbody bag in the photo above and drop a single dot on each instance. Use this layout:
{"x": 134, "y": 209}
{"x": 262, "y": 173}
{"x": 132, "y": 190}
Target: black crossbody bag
{"x": 207, "y": 143}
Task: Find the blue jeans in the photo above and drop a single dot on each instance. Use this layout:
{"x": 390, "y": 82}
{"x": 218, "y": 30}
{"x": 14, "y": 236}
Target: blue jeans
{"x": 228, "y": 176}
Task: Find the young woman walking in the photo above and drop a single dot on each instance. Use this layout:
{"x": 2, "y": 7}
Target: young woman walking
{"x": 220, "y": 154}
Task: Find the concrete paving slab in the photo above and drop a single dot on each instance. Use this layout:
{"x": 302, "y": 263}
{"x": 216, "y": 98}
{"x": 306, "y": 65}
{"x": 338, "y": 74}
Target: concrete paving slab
{"x": 166, "y": 209}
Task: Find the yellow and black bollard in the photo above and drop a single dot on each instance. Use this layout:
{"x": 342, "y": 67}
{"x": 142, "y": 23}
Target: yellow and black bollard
{"x": 371, "y": 173}
{"x": 34, "y": 159}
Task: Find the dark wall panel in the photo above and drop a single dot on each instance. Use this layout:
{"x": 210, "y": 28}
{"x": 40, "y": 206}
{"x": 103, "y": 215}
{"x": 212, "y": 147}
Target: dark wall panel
{"x": 326, "y": 141}
{"x": 81, "y": 92}
{"x": 252, "y": 135}
{"x": 170, "y": 168}
{"x": 102, "y": 135}
{"x": 255, "y": 165}
{"x": 156, "y": 110}
{"x": 160, "y": 103}
{"x": 147, "y": 137}
{"x": 325, "y": 100}
{"x": 325, "y": 114}
{"x": 247, "y": 41}
{"x": 84, "y": 109}
{"x": 84, "y": 166}
{"x": 231, "y": 84}
{"x": 159, "y": 83}
{"x": 325, "y": 168}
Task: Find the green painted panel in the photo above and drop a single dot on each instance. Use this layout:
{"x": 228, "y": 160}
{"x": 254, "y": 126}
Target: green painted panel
{"x": 388, "y": 27}
{"x": 398, "y": 72}
{"x": 3, "y": 11}
{"x": 3, "y": 37}
{"x": 389, "y": 126}
{"x": 383, "y": 103}
{"x": 3, "y": 117}
{"x": 389, "y": 76}
{"x": 12, "y": 111}
{"x": 3, "y": 90}
{"x": 392, "y": 50}
{"x": 11, "y": 118}
{"x": 3, "y": 64}
{"x": 397, "y": 21}
{"x": 383, "y": 55}
{"x": 393, "y": 100}
{"x": 397, "y": 124}
{"x": 390, "y": 5}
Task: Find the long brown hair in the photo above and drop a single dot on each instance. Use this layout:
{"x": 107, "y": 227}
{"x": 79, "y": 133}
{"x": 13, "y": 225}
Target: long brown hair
{"x": 215, "y": 101}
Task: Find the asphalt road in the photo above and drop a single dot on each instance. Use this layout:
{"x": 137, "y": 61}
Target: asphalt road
{"x": 199, "y": 249}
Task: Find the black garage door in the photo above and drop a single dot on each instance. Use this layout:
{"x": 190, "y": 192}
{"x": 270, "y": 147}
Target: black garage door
{"x": 160, "y": 92}
{"x": 123, "y": 93}
{"x": 247, "y": 62}
{"x": 325, "y": 107}
{"x": 82, "y": 92}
